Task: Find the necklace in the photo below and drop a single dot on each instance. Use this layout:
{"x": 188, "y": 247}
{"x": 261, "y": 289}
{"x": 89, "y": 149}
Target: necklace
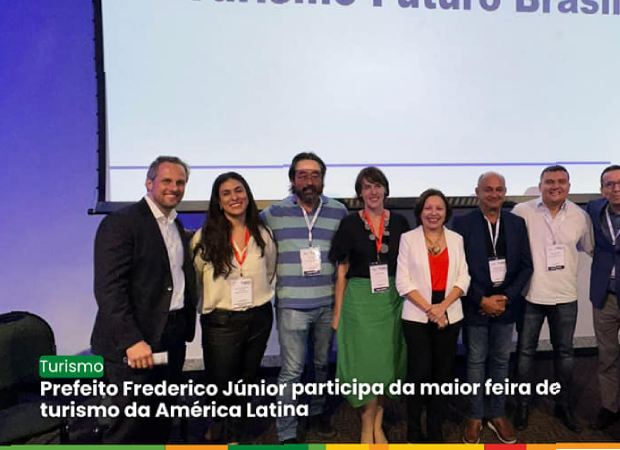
{"x": 382, "y": 246}
{"x": 434, "y": 248}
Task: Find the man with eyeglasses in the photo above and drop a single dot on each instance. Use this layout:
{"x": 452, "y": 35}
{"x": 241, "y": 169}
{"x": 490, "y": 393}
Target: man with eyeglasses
{"x": 557, "y": 229}
{"x": 303, "y": 226}
{"x": 604, "y": 286}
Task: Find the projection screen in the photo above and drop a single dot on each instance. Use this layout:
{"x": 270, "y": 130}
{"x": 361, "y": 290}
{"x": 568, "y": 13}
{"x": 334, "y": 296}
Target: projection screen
{"x": 434, "y": 92}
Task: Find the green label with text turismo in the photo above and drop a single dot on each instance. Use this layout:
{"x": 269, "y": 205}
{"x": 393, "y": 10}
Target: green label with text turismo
{"x": 79, "y": 366}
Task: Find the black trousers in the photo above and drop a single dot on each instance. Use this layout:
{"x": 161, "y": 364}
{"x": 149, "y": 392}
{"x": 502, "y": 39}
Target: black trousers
{"x": 430, "y": 359}
{"x": 143, "y": 430}
{"x": 233, "y": 345}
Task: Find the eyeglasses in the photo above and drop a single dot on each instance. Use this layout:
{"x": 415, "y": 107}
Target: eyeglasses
{"x": 305, "y": 176}
{"x": 611, "y": 185}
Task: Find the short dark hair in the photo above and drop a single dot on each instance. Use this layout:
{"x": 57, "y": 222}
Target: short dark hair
{"x": 419, "y": 206}
{"x": 554, "y": 168}
{"x": 301, "y": 157}
{"x": 609, "y": 169}
{"x": 151, "y": 174}
{"x": 371, "y": 174}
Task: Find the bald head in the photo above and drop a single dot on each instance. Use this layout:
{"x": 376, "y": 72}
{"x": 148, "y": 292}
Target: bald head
{"x": 491, "y": 192}
{"x": 482, "y": 177}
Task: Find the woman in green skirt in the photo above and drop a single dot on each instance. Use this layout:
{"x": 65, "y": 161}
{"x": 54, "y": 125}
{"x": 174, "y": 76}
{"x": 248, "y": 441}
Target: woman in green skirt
{"x": 371, "y": 347}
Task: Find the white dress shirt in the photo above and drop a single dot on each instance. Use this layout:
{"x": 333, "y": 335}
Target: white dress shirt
{"x": 571, "y": 227}
{"x": 174, "y": 246}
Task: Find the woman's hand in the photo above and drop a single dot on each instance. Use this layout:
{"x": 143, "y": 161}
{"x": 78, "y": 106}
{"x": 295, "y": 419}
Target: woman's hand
{"x": 339, "y": 288}
{"x": 335, "y": 321}
{"x": 443, "y": 323}
{"x": 436, "y": 312}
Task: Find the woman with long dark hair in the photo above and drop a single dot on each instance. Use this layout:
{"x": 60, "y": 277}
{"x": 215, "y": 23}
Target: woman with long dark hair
{"x": 235, "y": 258}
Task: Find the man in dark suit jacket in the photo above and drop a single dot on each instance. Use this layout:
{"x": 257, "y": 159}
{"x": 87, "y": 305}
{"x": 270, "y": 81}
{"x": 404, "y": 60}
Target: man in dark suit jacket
{"x": 145, "y": 290}
{"x": 500, "y": 265}
{"x": 604, "y": 287}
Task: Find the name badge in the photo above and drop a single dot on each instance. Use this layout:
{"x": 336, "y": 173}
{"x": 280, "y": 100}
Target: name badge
{"x": 497, "y": 269}
{"x": 555, "y": 257}
{"x": 310, "y": 261}
{"x": 379, "y": 277}
{"x": 241, "y": 293}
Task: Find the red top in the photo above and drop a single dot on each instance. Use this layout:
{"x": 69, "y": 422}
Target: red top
{"x": 439, "y": 270}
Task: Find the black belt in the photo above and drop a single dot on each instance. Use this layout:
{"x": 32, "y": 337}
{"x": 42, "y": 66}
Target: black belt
{"x": 242, "y": 312}
{"x": 176, "y": 314}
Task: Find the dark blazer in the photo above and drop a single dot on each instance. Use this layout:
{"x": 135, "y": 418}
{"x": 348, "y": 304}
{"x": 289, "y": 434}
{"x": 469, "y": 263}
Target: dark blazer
{"x": 603, "y": 259}
{"x": 133, "y": 283}
{"x": 519, "y": 266}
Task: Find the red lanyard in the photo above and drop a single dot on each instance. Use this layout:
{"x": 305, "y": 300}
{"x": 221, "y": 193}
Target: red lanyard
{"x": 240, "y": 256}
{"x": 379, "y": 236}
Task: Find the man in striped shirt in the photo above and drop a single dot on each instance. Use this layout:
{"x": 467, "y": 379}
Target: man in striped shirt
{"x": 303, "y": 226}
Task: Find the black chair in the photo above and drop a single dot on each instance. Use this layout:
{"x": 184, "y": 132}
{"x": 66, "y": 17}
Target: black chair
{"x": 24, "y": 338}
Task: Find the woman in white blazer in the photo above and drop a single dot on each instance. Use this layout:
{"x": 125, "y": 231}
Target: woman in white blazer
{"x": 431, "y": 275}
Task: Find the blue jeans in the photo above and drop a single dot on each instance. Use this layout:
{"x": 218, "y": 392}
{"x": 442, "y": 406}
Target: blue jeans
{"x": 492, "y": 343}
{"x": 562, "y": 319}
{"x": 295, "y": 326}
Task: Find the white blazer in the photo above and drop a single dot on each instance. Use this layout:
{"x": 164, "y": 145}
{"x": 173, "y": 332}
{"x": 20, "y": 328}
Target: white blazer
{"x": 413, "y": 273}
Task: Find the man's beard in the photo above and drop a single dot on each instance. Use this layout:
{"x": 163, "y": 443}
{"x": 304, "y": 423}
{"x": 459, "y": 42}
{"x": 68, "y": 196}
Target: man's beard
{"x": 309, "y": 195}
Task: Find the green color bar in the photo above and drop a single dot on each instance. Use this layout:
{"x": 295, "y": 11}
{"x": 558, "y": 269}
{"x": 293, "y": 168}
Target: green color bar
{"x": 316, "y": 446}
{"x": 269, "y": 447}
{"x": 79, "y": 366}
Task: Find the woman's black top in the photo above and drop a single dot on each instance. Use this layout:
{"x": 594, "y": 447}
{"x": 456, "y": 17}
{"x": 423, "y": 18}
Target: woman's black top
{"x": 351, "y": 243}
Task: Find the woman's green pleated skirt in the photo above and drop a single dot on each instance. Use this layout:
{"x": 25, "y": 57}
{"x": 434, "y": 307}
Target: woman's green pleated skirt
{"x": 371, "y": 346}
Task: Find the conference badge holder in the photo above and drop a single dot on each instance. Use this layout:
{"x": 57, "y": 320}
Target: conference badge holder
{"x": 241, "y": 293}
{"x": 555, "y": 257}
{"x": 310, "y": 261}
{"x": 379, "y": 277}
{"x": 497, "y": 269}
